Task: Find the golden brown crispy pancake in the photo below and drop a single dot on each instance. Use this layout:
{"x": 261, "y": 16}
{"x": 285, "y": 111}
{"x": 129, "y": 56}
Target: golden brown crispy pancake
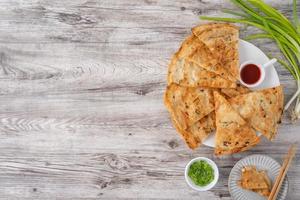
{"x": 262, "y": 109}
{"x": 233, "y": 134}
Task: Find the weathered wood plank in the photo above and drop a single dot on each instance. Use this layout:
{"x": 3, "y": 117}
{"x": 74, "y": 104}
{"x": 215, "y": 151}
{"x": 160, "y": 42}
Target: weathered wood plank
{"x": 81, "y": 85}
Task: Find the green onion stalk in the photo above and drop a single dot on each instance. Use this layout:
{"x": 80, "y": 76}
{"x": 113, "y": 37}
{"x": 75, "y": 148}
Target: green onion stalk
{"x": 277, "y": 27}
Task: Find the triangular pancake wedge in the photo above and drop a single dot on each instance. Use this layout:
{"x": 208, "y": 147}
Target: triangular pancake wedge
{"x": 189, "y": 74}
{"x": 261, "y": 109}
{"x": 257, "y": 181}
{"x": 188, "y": 46}
{"x": 233, "y": 134}
{"x": 188, "y": 105}
{"x": 191, "y": 112}
{"x": 203, "y": 128}
{"x": 203, "y": 57}
{"x": 173, "y": 99}
{"x": 222, "y": 40}
{"x": 251, "y": 178}
{"x": 176, "y": 66}
{"x": 198, "y": 132}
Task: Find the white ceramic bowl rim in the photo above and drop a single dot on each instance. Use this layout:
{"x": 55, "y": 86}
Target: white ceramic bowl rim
{"x": 192, "y": 184}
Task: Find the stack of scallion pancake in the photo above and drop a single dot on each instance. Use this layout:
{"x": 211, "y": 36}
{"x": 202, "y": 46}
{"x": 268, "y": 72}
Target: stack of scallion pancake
{"x": 203, "y": 94}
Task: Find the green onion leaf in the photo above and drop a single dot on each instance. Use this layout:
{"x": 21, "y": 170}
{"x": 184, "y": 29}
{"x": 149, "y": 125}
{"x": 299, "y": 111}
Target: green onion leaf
{"x": 276, "y": 27}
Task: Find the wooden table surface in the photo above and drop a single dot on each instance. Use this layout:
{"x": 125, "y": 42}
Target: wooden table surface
{"x": 82, "y": 116}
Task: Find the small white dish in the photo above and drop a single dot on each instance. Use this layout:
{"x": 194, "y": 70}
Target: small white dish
{"x": 262, "y": 74}
{"x": 210, "y": 185}
{"x": 262, "y": 71}
{"x": 261, "y": 162}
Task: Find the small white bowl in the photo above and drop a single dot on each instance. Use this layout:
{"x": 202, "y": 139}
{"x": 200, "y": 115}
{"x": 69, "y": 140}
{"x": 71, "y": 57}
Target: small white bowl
{"x": 197, "y": 187}
{"x": 262, "y": 73}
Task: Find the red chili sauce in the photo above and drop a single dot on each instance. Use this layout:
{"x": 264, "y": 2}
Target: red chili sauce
{"x": 250, "y": 74}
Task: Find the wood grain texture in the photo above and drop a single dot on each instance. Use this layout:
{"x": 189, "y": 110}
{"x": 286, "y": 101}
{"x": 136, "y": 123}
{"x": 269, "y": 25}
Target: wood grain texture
{"x": 82, "y": 117}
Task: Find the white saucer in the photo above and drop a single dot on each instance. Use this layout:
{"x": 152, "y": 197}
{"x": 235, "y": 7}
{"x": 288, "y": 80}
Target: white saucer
{"x": 261, "y": 162}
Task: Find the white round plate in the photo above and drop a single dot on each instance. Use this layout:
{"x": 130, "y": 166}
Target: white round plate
{"x": 261, "y": 162}
{"x": 248, "y": 51}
